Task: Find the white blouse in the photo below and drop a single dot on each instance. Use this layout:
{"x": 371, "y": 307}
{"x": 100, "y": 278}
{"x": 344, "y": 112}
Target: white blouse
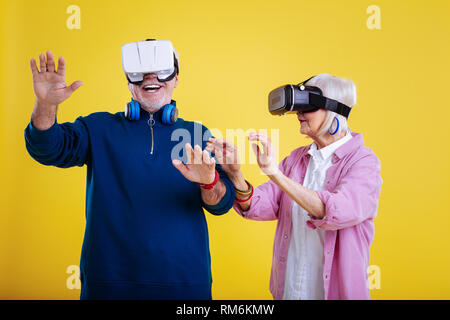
{"x": 304, "y": 268}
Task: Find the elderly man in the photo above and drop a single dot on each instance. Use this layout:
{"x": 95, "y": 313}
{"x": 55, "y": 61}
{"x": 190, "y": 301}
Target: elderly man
{"x": 146, "y": 235}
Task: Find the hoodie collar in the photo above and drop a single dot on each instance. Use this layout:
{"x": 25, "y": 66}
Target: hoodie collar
{"x": 157, "y": 115}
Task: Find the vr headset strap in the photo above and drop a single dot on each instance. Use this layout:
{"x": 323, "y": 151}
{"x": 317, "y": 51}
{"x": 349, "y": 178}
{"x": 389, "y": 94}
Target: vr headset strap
{"x": 329, "y": 104}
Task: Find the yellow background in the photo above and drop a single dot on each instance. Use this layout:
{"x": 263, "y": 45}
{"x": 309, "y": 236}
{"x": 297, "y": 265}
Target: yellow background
{"x": 232, "y": 54}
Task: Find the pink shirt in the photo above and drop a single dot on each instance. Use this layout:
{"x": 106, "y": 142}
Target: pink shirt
{"x": 352, "y": 189}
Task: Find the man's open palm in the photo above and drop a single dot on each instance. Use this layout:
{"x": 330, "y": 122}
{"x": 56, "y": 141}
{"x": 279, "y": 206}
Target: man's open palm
{"x": 50, "y": 85}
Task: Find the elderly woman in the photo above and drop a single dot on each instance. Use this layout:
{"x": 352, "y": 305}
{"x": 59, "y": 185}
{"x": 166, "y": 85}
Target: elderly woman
{"x": 324, "y": 196}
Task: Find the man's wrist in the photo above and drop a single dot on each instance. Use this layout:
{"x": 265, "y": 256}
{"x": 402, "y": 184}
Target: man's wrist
{"x": 44, "y": 115}
{"x": 213, "y": 183}
{"x": 46, "y": 106}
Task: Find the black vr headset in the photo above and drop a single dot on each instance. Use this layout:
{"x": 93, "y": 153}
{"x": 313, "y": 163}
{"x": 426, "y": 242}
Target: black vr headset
{"x": 301, "y": 98}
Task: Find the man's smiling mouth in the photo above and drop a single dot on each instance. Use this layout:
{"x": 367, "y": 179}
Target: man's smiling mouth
{"x": 152, "y": 87}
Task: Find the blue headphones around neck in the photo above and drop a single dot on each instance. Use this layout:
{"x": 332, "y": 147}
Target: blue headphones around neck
{"x": 169, "y": 113}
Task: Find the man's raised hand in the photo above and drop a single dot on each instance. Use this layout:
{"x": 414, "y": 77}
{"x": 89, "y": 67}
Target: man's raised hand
{"x": 200, "y": 167}
{"x": 48, "y": 83}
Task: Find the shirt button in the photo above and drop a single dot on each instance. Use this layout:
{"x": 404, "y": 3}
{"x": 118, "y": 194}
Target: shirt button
{"x": 282, "y": 259}
{"x": 326, "y": 276}
{"x": 285, "y": 236}
{"x": 328, "y": 252}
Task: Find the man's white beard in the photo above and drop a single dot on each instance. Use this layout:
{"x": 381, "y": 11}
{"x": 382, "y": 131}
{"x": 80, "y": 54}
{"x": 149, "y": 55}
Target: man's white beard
{"x": 153, "y": 106}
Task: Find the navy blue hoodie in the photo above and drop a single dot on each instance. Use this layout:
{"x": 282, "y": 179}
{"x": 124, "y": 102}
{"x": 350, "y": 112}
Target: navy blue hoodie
{"x": 146, "y": 235}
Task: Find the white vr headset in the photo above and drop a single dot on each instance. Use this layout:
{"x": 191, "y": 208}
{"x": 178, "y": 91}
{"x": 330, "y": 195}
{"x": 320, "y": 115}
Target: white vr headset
{"x": 149, "y": 56}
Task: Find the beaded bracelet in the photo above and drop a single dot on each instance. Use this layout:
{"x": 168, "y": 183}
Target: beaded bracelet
{"x": 249, "y": 197}
{"x": 245, "y": 192}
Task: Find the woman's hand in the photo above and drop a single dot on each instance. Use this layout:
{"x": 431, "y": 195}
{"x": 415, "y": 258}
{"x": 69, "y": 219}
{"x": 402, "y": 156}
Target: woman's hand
{"x": 226, "y": 154}
{"x": 267, "y": 161}
{"x": 306, "y": 198}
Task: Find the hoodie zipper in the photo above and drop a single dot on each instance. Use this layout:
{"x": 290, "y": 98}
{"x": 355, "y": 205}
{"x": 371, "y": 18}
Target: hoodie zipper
{"x": 151, "y": 123}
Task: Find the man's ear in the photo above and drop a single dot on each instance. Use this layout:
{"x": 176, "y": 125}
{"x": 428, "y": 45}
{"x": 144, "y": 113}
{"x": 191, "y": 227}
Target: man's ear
{"x": 176, "y": 81}
{"x": 131, "y": 88}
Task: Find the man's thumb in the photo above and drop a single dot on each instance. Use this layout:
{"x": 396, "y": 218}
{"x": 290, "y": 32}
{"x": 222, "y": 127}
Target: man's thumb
{"x": 180, "y": 166}
{"x": 75, "y": 85}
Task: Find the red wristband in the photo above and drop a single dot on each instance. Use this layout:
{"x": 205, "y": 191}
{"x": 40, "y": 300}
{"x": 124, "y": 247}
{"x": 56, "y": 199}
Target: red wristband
{"x": 212, "y": 184}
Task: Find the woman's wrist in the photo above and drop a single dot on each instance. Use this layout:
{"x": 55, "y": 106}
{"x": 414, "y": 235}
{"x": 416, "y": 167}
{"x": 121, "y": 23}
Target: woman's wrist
{"x": 272, "y": 170}
{"x": 237, "y": 178}
{"x": 244, "y": 197}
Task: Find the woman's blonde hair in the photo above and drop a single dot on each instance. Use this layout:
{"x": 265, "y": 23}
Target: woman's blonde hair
{"x": 342, "y": 90}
